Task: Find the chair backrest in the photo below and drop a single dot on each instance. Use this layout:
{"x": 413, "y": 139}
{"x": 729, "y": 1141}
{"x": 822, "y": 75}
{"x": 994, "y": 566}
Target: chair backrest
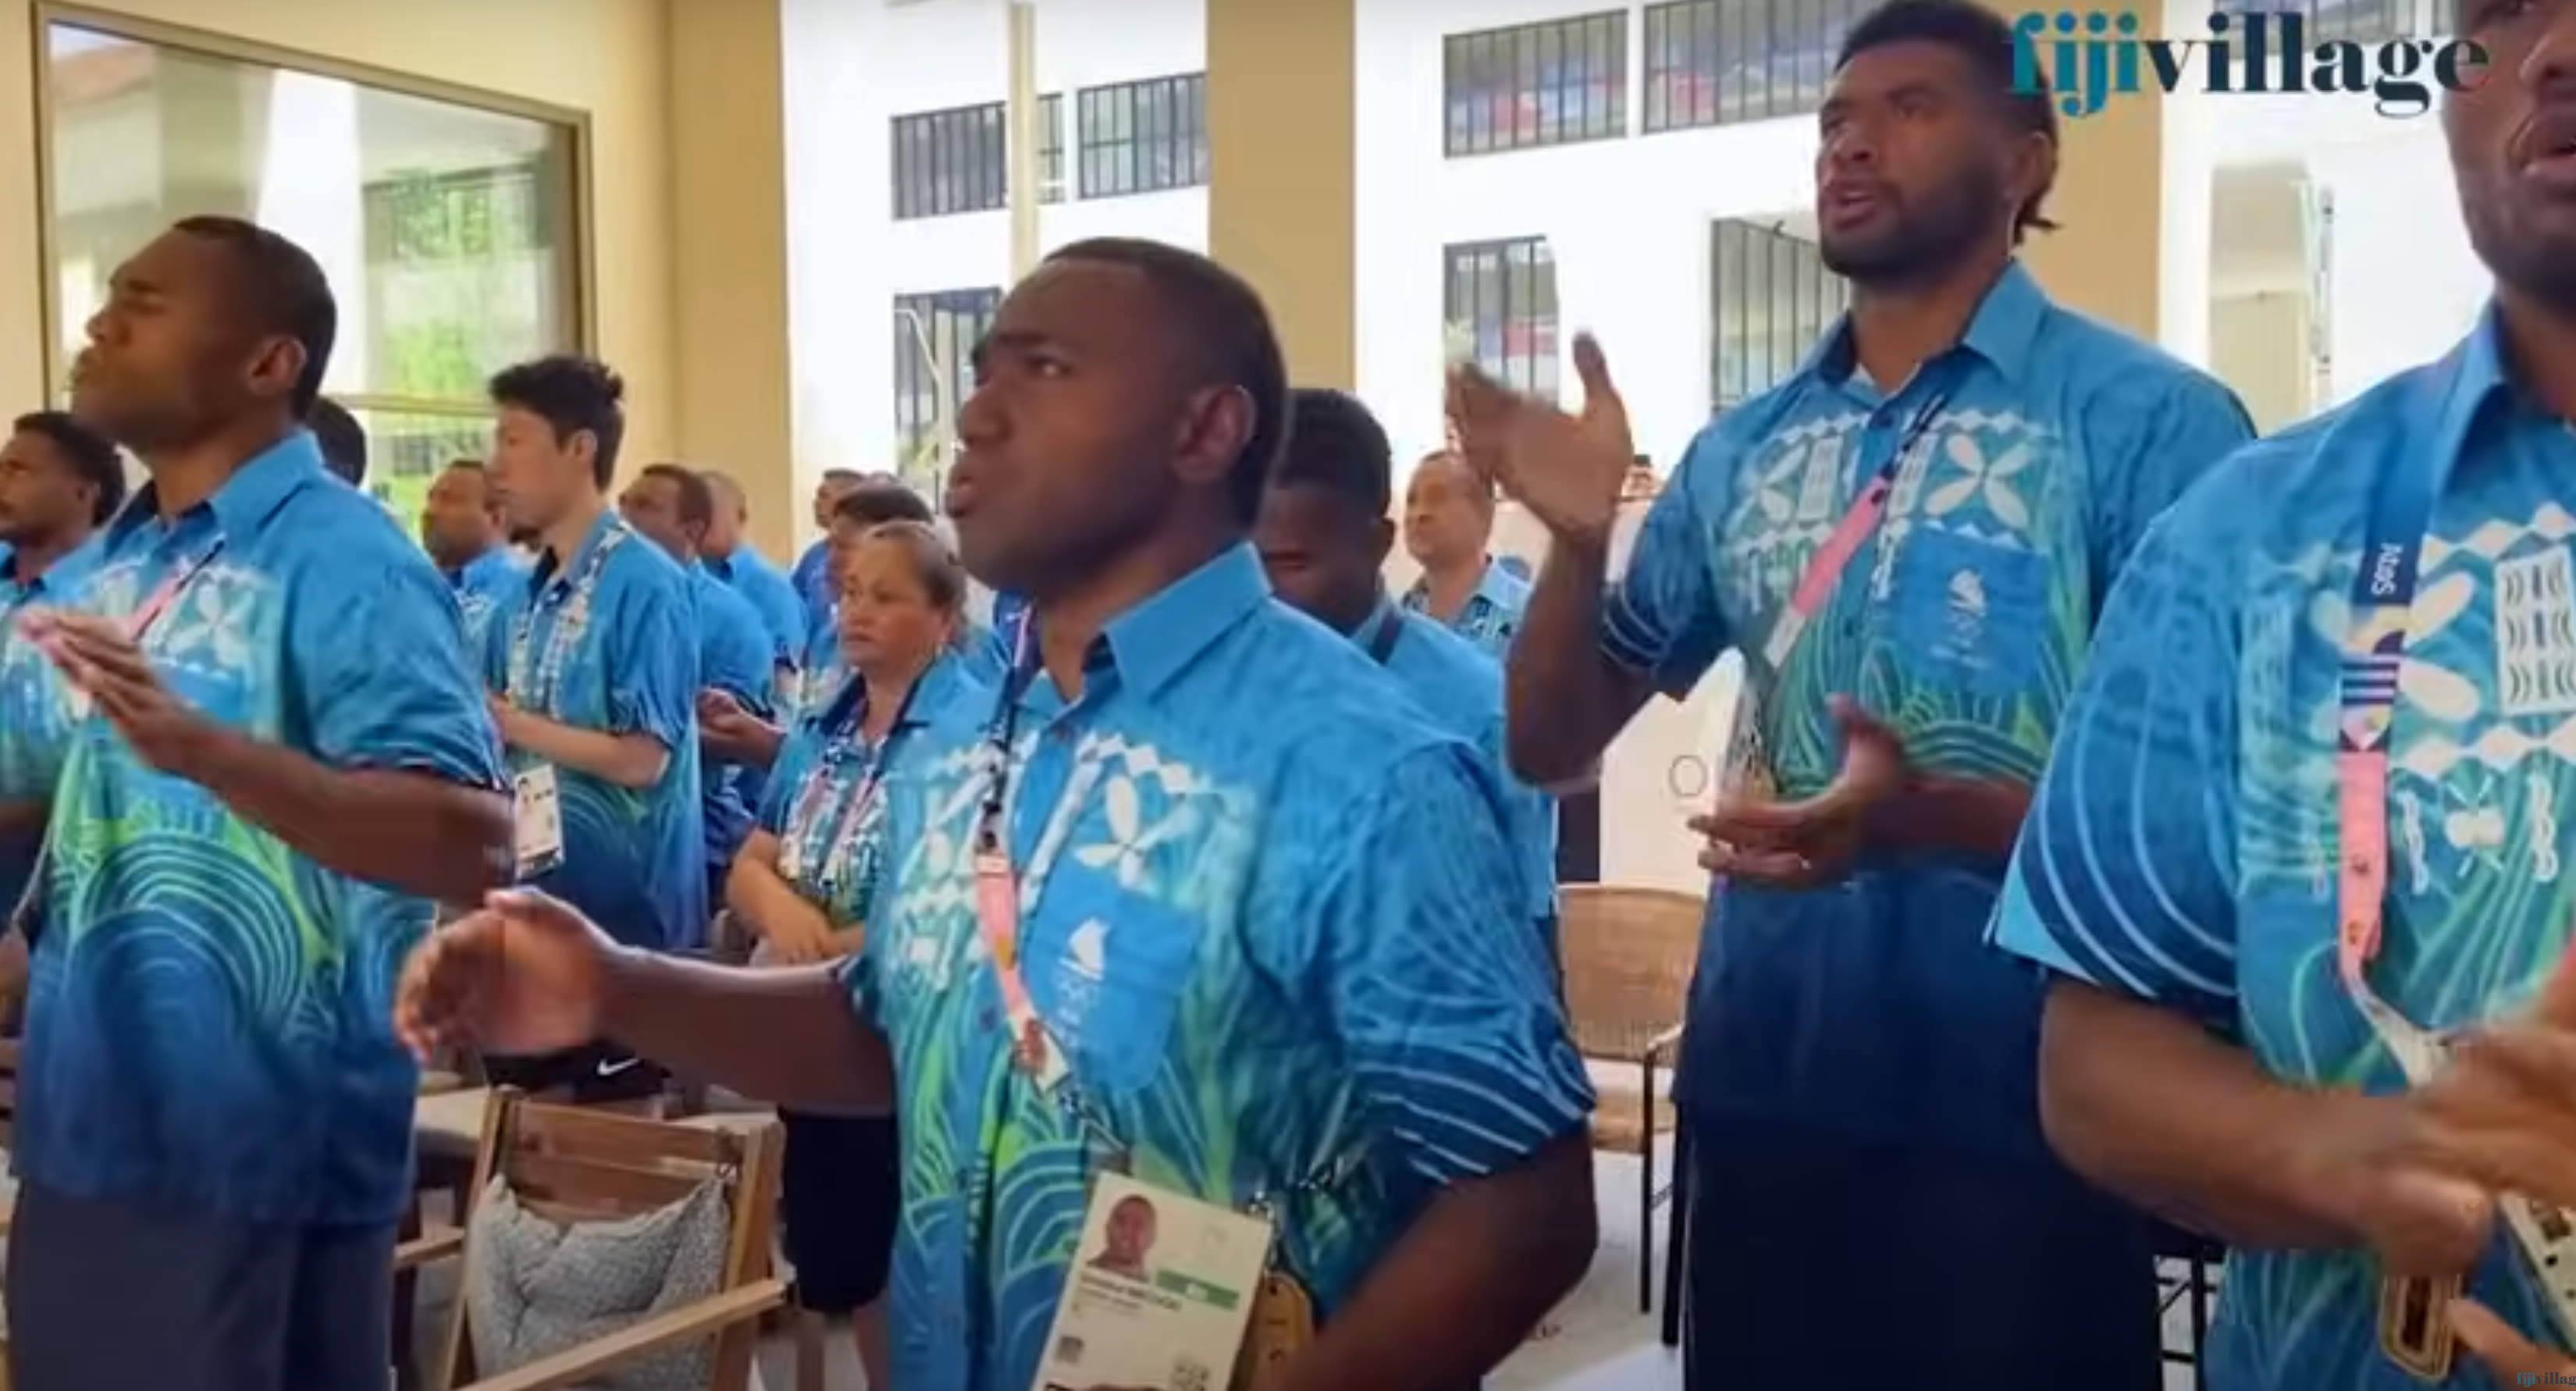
{"x": 574, "y": 1165}
{"x": 1628, "y": 955}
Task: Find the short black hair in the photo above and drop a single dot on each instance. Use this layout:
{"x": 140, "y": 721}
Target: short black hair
{"x": 1985, "y": 39}
{"x": 1334, "y": 443}
{"x": 342, "y": 438}
{"x": 284, "y": 290}
{"x": 697, "y": 501}
{"x": 93, "y": 459}
{"x": 571, "y": 394}
{"x": 876, "y": 502}
{"x": 842, "y": 475}
{"x": 1230, "y": 341}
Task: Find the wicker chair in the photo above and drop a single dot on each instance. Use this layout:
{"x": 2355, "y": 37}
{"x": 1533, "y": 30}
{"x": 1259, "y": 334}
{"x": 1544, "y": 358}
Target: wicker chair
{"x": 1628, "y": 955}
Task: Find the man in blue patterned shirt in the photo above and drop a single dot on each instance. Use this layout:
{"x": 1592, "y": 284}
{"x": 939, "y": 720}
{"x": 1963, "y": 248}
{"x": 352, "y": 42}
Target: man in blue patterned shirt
{"x": 265, "y": 755}
{"x": 1324, "y": 538}
{"x": 462, "y": 529}
{"x": 729, "y": 555}
{"x": 1449, "y": 530}
{"x": 672, "y": 507}
{"x": 594, "y": 667}
{"x": 2181, "y": 870}
{"x": 1857, "y": 1087}
{"x": 59, "y": 483}
{"x": 812, "y": 575}
{"x": 1246, "y": 893}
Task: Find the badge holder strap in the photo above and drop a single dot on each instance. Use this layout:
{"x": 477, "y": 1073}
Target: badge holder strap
{"x": 2414, "y": 1325}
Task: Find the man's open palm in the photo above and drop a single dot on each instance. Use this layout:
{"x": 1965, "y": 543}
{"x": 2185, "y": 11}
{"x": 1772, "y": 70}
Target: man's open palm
{"x": 1567, "y": 468}
{"x": 521, "y": 976}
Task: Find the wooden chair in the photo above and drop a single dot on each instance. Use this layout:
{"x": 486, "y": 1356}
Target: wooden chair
{"x": 574, "y": 1165}
{"x": 1628, "y": 955}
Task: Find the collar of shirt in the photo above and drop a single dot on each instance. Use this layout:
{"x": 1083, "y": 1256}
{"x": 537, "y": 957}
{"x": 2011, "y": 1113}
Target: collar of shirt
{"x": 938, "y": 683}
{"x": 2006, "y": 324}
{"x": 1495, "y": 586}
{"x": 496, "y": 561}
{"x": 244, "y": 503}
{"x": 2470, "y": 380}
{"x": 546, "y": 577}
{"x": 1153, "y": 644}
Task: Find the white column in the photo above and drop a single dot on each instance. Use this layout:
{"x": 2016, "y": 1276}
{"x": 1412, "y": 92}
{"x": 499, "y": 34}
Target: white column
{"x": 2402, "y": 284}
{"x": 2186, "y": 214}
{"x": 840, "y": 335}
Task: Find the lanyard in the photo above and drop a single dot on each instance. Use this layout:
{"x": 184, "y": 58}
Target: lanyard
{"x": 1382, "y": 642}
{"x": 831, "y": 817}
{"x": 165, "y": 595}
{"x": 1004, "y": 897}
{"x": 535, "y": 686}
{"x": 2374, "y": 658}
{"x": 1825, "y": 569}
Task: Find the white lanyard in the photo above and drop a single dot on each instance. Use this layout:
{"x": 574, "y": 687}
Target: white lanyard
{"x": 535, "y": 685}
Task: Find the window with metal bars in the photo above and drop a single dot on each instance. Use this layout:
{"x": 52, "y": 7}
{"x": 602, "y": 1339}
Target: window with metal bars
{"x": 1717, "y": 62}
{"x": 935, "y": 334}
{"x": 1143, "y": 137}
{"x": 958, "y": 160}
{"x": 1500, "y": 302}
{"x": 1769, "y": 299}
{"x": 1533, "y": 85}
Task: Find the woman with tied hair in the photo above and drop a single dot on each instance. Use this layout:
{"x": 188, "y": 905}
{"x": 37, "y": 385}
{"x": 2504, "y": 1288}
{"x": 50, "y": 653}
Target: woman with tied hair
{"x": 804, "y": 881}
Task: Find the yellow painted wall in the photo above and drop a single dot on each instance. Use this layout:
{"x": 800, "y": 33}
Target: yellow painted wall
{"x": 606, "y": 57}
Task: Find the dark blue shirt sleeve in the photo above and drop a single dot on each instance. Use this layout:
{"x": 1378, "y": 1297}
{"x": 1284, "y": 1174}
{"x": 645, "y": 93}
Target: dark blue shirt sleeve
{"x": 1662, "y": 616}
{"x": 2125, "y": 873}
{"x": 652, "y": 652}
{"x": 423, "y": 713}
{"x": 1426, "y": 969}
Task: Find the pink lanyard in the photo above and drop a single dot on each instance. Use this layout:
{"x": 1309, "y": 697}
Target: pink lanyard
{"x": 1825, "y": 569}
{"x": 2374, "y": 658}
{"x": 998, "y": 890}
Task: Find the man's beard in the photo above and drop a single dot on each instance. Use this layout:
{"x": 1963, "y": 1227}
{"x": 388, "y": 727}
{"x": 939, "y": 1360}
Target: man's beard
{"x": 2540, "y": 267}
{"x": 1921, "y": 239}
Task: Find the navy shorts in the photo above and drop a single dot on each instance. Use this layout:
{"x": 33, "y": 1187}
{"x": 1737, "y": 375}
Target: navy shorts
{"x": 110, "y": 1295}
{"x": 840, "y": 1191}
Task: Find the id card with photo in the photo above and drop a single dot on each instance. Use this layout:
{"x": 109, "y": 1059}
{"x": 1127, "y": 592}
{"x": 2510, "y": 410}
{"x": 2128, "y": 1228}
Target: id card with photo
{"x": 537, "y": 800}
{"x": 1160, "y": 1291}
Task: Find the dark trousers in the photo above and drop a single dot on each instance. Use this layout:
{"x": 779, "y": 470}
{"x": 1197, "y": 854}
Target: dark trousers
{"x": 107, "y": 1295}
{"x": 1831, "y": 1264}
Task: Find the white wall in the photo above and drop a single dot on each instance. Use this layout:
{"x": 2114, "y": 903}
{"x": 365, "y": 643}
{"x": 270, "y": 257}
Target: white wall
{"x": 1627, "y": 220}
{"x": 2259, "y": 346}
{"x": 852, "y": 67}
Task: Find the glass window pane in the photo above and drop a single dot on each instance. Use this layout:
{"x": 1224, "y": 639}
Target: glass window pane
{"x": 446, "y": 231}
{"x": 1790, "y": 258}
{"x": 406, "y": 452}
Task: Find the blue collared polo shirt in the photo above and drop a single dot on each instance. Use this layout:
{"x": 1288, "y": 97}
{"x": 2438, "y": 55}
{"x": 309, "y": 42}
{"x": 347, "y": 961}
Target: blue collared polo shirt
{"x": 2183, "y": 846}
{"x": 621, "y": 617}
{"x": 2042, "y": 445}
{"x": 1256, "y": 998}
{"x": 210, "y": 1014}
{"x": 1491, "y": 617}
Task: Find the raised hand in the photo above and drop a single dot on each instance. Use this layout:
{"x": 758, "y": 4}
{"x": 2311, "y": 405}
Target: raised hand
{"x": 1567, "y": 468}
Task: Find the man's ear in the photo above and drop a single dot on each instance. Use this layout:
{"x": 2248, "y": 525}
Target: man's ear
{"x": 1384, "y": 543}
